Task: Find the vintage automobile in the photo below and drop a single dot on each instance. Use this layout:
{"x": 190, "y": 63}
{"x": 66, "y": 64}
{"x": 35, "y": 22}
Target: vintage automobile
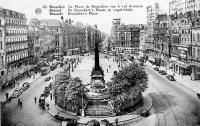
{"x": 48, "y": 78}
{"x": 170, "y": 77}
{"x": 162, "y": 72}
{"x": 53, "y": 67}
{"x": 46, "y": 91}
{"x": 42, "y": 101}
{"x": 18, "y": 91}
{"x": 106, "y": 56}
{"x": 156, "y": 68}
{"x": 26, "y": 85}
{"x": 145, "y": 114}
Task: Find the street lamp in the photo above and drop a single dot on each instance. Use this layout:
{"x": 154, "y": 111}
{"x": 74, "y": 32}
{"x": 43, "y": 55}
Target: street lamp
{"x": 72, "y": 66}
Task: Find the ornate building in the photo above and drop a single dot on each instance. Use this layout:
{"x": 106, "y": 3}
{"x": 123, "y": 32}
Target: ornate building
{"x": 75, "y": 39}
{"x": 127, "y": 38}
{"x": 15, "y": 32}
{"x": 161, "y": 40}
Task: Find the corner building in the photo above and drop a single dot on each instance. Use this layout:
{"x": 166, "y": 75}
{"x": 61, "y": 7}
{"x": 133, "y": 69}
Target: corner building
{"x": 15, "y": 32}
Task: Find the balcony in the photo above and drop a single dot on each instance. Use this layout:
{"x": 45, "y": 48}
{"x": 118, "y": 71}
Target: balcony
{"x": 16, "y": 42}
{"x": 18, "y": 61}
{"x": 14, "y": 51}
{"x": 12, "y": 24}
{"x": 15, "y": 34}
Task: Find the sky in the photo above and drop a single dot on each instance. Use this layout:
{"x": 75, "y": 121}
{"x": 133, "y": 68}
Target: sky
{"x": 103, "y": 20}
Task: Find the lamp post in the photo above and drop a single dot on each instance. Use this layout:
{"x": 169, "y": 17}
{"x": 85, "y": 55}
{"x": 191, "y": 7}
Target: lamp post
{"x": 72, "y": 66}
{"x": 69, "y": 68}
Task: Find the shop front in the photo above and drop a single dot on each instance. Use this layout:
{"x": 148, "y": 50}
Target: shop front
{"x": 195, "y": 70}
{"x": 184, "y": 69}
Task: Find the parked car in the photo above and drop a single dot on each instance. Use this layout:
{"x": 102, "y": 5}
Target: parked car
{"x": 42, "y": 102}
{"x": 26, "y": 85}
{"x": 145, "y": 114}
{"x": 156, "y": 69}
{"x": 162, "y": 72}
{"x": 82, "y": 54}
{"x": 48, "y": 78}
{"x": 46, "y": 91}
{"x": 53, "y": 67}
{"x": 170, "y": 77}
{"x": 17, "y": 92}
{"x": 124, "y": 59}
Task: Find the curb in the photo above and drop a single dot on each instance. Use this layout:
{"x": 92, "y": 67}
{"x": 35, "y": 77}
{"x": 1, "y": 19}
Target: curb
{"x": 147, "y": 95}
{"x": 138, "y": 115}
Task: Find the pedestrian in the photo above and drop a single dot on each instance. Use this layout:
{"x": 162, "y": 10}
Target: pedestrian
{"x": 35, "y": 99}
{"x": 116, "y": 121}
{"x": 107, "y": 70}
{"x": 51, "y": 96}
{"x": 173, "y": 74}
{"x": 18, "y": 102}
{"x": 7, "y": 95}
{"x": 109, "y": 66}
{"x": 47, "y": 106}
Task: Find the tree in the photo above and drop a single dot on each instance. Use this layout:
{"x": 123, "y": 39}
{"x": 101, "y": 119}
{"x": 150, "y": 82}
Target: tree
{"x": 128, "y": 83}
{"x": 74, "y": 94}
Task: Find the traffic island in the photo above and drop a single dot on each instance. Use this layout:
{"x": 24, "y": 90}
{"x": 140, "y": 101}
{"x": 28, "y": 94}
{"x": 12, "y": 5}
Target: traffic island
{"x": 128, "y": 117}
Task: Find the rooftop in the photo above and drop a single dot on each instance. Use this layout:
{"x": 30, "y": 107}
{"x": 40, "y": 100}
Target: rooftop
{"x": 50, "y": 22}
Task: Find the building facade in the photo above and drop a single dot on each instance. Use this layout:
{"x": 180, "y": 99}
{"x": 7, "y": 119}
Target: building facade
{"x": 75, "y": 39}
{"x": 3, "y": 66}
{"x": 127, "y": 39}
{"x": 143, "y": 40}
{"x": 16, "y": 49}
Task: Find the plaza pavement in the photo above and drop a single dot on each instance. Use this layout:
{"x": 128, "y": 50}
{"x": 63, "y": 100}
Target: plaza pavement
{"x": 184, "y": 80}
{"x": 83, "y": 70}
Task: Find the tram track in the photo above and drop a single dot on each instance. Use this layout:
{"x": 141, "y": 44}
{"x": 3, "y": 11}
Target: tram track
{"x": 162, "y": 104}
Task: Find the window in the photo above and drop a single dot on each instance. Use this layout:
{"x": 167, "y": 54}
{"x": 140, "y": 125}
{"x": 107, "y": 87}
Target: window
{"x": 2, "y": 73}
{"x": 1, "y": 45}
{"x": 0, "y": 33}
{"x": 198, "y": 53}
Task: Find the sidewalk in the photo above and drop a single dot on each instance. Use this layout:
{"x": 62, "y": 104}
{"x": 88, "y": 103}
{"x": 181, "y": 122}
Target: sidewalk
{"x": 11, "y": 90}
{"x": 53, "y": 110}
{"x": 185, "y": 80}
